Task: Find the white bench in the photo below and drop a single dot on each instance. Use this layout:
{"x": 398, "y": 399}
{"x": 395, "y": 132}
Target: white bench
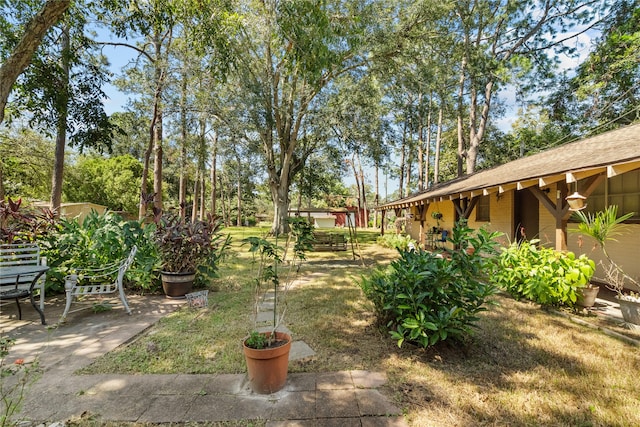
{"x": 99, "y": 281}
{"x": 22, "y": 254}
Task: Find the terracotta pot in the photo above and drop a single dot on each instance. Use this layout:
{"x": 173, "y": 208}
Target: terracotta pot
{"x": 587, "y": 296}
{"x": 267, "y": 368}
{"x": 177, "y": 285}
{"x": 630, "y": 311}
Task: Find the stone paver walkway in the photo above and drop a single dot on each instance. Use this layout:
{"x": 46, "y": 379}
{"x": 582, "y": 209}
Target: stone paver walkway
{"x": 347, "y": 398}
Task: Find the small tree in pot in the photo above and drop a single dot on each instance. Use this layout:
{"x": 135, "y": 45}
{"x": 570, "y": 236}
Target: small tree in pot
{"x": 267, "y": 353}
{"x": 186, "y": 249}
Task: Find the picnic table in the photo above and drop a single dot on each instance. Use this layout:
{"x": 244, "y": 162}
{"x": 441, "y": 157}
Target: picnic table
{"x": 15, "y": 291}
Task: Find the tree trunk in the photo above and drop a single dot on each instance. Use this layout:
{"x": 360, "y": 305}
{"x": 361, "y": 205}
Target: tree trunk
{"x": 436, "y": 161}
{"x": 202, "y": 167}
{"x": 300, "y": 192}
{"x": 403, "y": 148}
{"x": 225, "y": 217}
{"x": 376, "y": 201}
{"x": 144, "y": 197}
{"x": 61, "y": 136}
{"x": 461, "y": 142}
{"x": 476, "y": 131}
{"x": 182, "y": 191}
{"x": 22, "y": 54}
{"x": 408, "y": 169}
{"x": 157, "y": 164}
{"x": 194, "y": 202}
{"x": 428, "y": 144}
{"x": 203, "y": 207}
{"x": 214, "y": 171}
{"x": 365, "y": 209}
{"x": 155, "y": 136}
{"x": 239, "y": 193}
{"x": 421, "y": 150}
{"x": 1, "y": 183}
{"x": 280, "y": 196}
{"x": 358, "y": 190}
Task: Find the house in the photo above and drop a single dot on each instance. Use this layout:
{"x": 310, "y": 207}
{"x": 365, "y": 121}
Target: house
{"x": 326, "y": 217}
{"x": 526, "y": 198}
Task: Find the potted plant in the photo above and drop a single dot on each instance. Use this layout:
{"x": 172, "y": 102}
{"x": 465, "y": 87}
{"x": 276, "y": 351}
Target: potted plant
{"x": 602, "y": 227}
{"x": 586, "y": 296}
{"x": 185, "y": 249}
{"x": 437, "y": 215}
{"x": 267, "y": 352}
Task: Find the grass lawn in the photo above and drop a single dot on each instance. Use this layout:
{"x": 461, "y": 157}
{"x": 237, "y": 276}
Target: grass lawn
{"x": 524, "y": 366}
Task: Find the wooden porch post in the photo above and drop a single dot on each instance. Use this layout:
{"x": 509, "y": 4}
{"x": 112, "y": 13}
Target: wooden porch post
{"x": 422, "y": 213}
{"x": 561, "y": 220}
{"x": 384, "y": 212}
{"x": 558, "y": 209}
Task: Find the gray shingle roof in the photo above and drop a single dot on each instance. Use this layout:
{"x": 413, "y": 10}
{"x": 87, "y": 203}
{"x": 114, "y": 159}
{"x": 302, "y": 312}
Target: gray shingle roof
{"x": 581, "y": 158}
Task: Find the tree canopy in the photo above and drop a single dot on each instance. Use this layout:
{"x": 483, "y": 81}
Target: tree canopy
{"x": 240, "y": 104}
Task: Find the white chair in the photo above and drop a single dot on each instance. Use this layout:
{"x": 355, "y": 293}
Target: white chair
{"x": 100, "y": 281}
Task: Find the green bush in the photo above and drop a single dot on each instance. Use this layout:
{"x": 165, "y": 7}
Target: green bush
{"x": 97, "y": 241}
{"x": 424, "y": 299}
{"x": 396, "y": 241}
{"x": 542, "y": 275}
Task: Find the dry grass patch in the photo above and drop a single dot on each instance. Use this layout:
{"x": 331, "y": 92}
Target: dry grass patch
{"x": 525, "y": 367}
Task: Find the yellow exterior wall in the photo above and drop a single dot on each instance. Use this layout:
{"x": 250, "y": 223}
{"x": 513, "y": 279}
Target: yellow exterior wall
{"x": 501, "y": 215}
{"x": 74, "y": 210}
{"x": 446, "y": 223}
{"x": 625, "y": 251}
{"x": 547, "y": 223}
{"x": 80, "y": 210}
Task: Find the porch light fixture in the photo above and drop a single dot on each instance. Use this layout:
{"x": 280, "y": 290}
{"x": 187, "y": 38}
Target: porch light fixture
{"x": 576, "y": 202}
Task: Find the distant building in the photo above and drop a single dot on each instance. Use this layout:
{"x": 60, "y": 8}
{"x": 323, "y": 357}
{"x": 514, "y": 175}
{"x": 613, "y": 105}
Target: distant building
{"x": 74, "y": 210}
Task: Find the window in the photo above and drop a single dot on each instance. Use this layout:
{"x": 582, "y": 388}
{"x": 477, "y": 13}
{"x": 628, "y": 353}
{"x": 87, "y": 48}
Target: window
{"x": 621, "y": 190}
{"x": 482, "y": 209}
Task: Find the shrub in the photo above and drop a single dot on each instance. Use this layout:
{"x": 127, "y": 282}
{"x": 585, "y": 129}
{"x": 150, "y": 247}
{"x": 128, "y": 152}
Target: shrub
{"x": 542, "y": 275}
{"x": 396, "y": 241}
{"x": 424, "y": 299}
{"x": 20, "y": 224}
{"x": 97, "y": 241}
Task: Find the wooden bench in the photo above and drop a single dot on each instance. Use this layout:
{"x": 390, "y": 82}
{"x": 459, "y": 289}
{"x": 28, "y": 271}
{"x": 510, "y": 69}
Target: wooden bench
{"x": 99, "y": 281}
{"x": 327, "y": 241}
{"x": 17, "y": 255}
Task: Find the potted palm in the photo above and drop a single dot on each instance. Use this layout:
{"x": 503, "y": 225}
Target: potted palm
{"x": 267, "y": 352}
{"x": 603, "y": 226}
{"x": 185, "y": 249}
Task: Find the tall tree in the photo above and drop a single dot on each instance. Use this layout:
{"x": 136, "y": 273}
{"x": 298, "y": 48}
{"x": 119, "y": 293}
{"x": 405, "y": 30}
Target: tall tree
{"x": 154, "y": 24}
{"x": 354, "y": 116}
{"x": 496, "y": 40}
{"x": 290, "y": 51}
{"x": 62, "y": 92}
{"x": 22, "y": 50}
